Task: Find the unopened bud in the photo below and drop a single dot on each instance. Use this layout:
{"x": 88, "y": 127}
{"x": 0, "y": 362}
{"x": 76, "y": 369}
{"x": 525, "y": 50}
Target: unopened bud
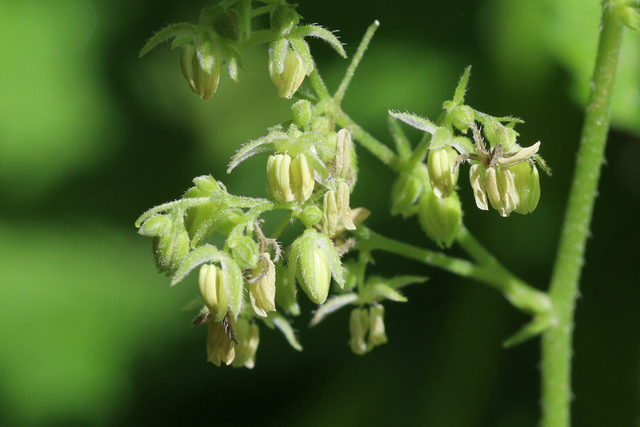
{"x": 440, "y": 218}
{"x": 244, "y": 250}
{"x": 248, "y": 335}
{"x": 441, "y": 163}
{"x": 220, "y": 346}
{"x": 527, "y": 184}
{"x": 301, "y": 178}
{"x": 278, "y": 176}
{"x": 203, "y": 83}
{"x": 290, "y": 79}
{"x": 477, "y": 184}
{"x": 262, "y": 292}
{"x": 302, "y": 113}
{"x": 343, "y": 155}
{"x": 461, "y": 117}
{"x": 377, "y": 335}
{"x": 406, "y": 190}
{"x": 212, "y": 290}
{"x": 358, "y": 327}
{"x": 170, "y": 241}
{"x": 501, "y": 190}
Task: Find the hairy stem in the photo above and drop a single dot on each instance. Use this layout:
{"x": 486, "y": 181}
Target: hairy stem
{"x": 557, "y": 340}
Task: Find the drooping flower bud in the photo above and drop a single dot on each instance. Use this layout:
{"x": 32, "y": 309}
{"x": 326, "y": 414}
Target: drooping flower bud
{"x": 406, "y": 190}
{"x": 440, "y": 218}
{"x": 244, "y": 250}
{"x": 212, "y": 290}
{"x": 202, "y": 82}
{"x": 342, "y": 165}
{"x": 358, "y": 328}
{"x": 301, "y": 178}
{"x": 527, "y": 184}
{"x": 313, "y": 261}
{"x": 220, "y": 346}
{"x": 248, "y": 335}
{"x": 262, "y": 292}
{"x": 170, "y": 241}
{"x": 336, "y": 211}
{"x": 289, "y": 80}
{"x": 476, "y": 177}
{"x": 501, "y": 190}
{"x": 441, "y": 163}
{"x": 377, "y": 335}
{"x": 290, "y": 179}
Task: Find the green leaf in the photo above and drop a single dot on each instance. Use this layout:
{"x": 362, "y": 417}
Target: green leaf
{"x": 183, "y": 30}
{"x": 256, "y": 146}
{"x": 321, "y": 33}
{"x": 531, "y": 330}
{"x": 458, "y": 97}
{"x": 403, "y": 146}
{"x": 302, "y": 48}
{"x": 387, "y": 292}
{"x": 402, "y": 281}
{"x": 196, "y": 257}
{"x": 332, "y": 304}
{"x": 280, "y": 322}
{"x": 415, "y": 121}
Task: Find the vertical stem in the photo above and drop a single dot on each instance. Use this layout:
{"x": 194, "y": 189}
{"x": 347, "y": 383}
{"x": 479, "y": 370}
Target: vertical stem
{"x": 557, "y": 340}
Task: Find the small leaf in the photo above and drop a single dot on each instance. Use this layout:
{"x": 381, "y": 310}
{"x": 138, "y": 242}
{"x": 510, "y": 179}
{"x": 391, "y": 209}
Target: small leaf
{"x": 280, "y": 322}
{"x": 302, "y": 48}
{"x": 458, "y": 97}
{"x": 332, "y": 304}
{"x": 531, "y": 330}
{"x": 387, "y": 292}
{"x": 321, "y": 33}
{"x": 415, "y": 121}
{"x": 256, "y": 146}
{"x": 402, "y": 281}
{"x": 196, "y": 257}
{"x": 181, "y": 29}
{"x": 403, "y": 146}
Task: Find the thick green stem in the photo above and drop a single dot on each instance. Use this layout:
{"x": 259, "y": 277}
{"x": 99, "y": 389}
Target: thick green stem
{"x": 487, "y": 271}
{"x": 557, "y": 340}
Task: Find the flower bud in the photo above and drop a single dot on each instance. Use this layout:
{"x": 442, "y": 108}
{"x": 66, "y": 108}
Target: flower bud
{"x": 336, "y": 211}
{"x": 202, "y": 82}
{"x": 330, "y": 214}
{"x": 461, "y": 117}
{"x": 342, "y": 164}
{"x": 527, "y": 184}
{"x": 289, "y": 80}
{"x": 476, "y": 178}
{"x": 302, "y": 111}
{"x": 313, "y": 260}
{"x": 170, "y": 241}
{"x": 278, "y": 176}
{"x": 220, "y": 346}
{"x": 377, "y": 335}
{"x": 262, "y": 292}
{"x": 358, "y": 327}
{"x": 440, "y": 218}
{"x": 301, "y": 178}
{"x": 441, "y": 163}
{"x": 248, "y": 335}
{"x": 310, "y": 216}
{"x": 406, "y": 190}
{"x": 244, "y": 251}
{"x": 212, "y": 290}
{"x": 501, "y": 190}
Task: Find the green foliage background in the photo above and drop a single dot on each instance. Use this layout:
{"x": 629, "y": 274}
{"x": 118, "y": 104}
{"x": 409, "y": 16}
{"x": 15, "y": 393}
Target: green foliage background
{"x": 91, "y": 136}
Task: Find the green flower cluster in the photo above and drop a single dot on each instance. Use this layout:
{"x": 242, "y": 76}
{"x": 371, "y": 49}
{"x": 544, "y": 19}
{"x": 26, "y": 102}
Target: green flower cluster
{"x": 502, "y": 170}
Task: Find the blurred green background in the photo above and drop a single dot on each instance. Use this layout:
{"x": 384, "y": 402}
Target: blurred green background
{"x": 91, "y": 136}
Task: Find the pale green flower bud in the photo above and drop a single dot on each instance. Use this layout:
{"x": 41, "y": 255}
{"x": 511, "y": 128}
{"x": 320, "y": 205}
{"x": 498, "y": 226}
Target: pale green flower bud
{"x": 301, "y": 178}
{"x": 313, "y": 261}
{"x": 229, "y": 220}
{"x": 441, "y": 163}
{"x": 291, "y": 77}
{"x": 330, "y": 214}
{"x": 477, "y": 184}
{"x": 302, "y": 111}
{"x": 245, "y": 251}
{"x": 462, "y": 116}
{"x": 212, "y": 290}
{"x": 406, "y": 190}
{"x": 202, "y": 82}
{"x": 440, "y": 218}
{"x": 336, "y": 211}
{"x": 248, "y": 335}
{"x": 501, "y": 190}
{"x": 170, "y": 241}
{"x": 220, "y": 346}
{"x": 358, "y": 327}
{"x": 262, "y": 292}
{"x": 527, "y": 183}
{"x": 342, "y": 166}
{"x": 321, "y": 125}
{"x": 278, "y": 176}
{"x": 310, "y": 216}
{"x": 377, "y": 335}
